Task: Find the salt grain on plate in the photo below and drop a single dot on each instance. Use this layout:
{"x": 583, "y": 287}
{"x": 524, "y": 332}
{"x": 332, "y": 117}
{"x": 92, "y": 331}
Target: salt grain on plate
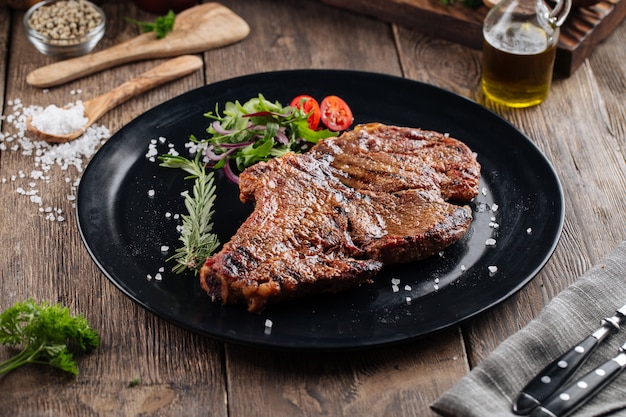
{"x": 490, "y": 242}
{"x": 492, "y": 270}
{"x": 268, "y": 326}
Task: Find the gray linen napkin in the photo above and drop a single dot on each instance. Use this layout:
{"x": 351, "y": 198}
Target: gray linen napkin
{"x": 490, "y": 388}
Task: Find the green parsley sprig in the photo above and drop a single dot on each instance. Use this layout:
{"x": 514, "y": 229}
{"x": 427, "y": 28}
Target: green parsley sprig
{"x": 161, "y": 26}
{"x": 196, "y": 235}
{"x": 47, "y": 334}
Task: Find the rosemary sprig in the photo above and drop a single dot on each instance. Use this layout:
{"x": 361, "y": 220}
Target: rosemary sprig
{"x": 198, "y": 241}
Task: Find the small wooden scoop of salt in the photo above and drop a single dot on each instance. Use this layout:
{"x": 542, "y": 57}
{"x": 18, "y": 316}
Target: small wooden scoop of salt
{"x": 95, "y": 108}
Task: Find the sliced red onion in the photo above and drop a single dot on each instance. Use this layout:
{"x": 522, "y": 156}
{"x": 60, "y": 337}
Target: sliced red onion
{"x": 217, "y": 126}
{"x": 266, "y": 113}
{"x": 235, "y": 145}
{"x": 208, "y": 152}
{"x": 282, "y": 138}
{"x": 230, "y": 174}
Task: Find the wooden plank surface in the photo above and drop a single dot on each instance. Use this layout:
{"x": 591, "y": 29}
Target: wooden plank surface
{"x": 47, "y": 260}
{"x": 587, "y": 155}
{"x": 378, "y": 382}
{"x": 584, "y": 28}
{"x": 581, "y": 128}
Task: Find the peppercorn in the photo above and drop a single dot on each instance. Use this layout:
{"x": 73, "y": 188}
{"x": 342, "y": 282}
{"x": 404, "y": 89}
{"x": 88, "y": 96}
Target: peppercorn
{"x": 65, "y": 19}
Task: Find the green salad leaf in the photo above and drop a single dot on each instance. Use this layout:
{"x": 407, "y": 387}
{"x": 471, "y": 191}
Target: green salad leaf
{"x": 256, "y": 131}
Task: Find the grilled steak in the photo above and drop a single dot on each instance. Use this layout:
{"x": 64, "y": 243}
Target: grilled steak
{"x": 330, "y": 219}
{"x": 389, "y": 159}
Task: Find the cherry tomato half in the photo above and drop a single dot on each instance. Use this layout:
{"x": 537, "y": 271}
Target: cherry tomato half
{"x": 336, "y": 113}
{"x": 309, "y": 106}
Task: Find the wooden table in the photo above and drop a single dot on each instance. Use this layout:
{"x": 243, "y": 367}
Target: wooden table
{"x": 581, "y": 128}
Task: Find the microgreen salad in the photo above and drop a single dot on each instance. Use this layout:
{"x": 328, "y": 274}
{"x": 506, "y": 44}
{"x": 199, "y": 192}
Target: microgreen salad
{"x": 259, "y": 130}
{"x": 245, "y": 134}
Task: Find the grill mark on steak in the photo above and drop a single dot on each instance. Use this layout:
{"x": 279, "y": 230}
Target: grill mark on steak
{"x": 390, "y": 158}
{"x": 330, "y": 219}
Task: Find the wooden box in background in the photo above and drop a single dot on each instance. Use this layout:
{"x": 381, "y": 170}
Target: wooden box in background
{"x": 584, "y": 28}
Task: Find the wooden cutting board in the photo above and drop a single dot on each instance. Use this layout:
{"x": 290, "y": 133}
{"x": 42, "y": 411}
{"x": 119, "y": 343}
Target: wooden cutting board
{"x": 584, "y": 28}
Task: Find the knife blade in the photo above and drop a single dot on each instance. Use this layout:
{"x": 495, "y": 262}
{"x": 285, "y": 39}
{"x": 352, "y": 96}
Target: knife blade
{"x": 556, "y": 373}
{"x": 574, "y": 395}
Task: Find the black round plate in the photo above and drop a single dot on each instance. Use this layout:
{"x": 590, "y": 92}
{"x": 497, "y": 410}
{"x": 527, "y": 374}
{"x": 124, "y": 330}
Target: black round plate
{"x": 125, "y": 227}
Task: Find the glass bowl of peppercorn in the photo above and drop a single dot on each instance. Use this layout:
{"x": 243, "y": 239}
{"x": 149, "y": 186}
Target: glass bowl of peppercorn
{"x": 64, "y": 28}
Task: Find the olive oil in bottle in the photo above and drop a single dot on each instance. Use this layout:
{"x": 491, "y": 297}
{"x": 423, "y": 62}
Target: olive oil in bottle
{"x": 518, "y": 78}
{"x": 519, "y": 48}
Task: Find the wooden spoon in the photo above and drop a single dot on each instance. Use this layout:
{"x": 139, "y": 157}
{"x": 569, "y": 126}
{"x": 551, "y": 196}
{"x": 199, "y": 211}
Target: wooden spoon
{"x": 196, "y": 29}
{"x": 96, "y": 107}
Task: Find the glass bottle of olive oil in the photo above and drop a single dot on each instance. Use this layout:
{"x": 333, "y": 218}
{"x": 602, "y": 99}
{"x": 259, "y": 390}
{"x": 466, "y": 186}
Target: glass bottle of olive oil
{"x": 519, "y": 48}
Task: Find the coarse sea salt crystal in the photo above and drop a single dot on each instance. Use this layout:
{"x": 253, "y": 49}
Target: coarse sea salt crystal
{"x": 60, "y": 121}
{"x": 68, "y": 156}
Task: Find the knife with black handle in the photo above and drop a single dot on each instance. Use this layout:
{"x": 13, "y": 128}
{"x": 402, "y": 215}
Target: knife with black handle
{"x": 571, "y": 397}
{"x": 555, "y": 374}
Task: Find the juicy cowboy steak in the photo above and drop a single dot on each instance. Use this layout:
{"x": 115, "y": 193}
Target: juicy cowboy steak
{"x": 330, "y": 219}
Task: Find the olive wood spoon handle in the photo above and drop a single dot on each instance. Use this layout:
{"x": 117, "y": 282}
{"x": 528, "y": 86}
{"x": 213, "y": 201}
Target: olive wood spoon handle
{"x": 98, "y": 106}
{"x": 197, "y": 29}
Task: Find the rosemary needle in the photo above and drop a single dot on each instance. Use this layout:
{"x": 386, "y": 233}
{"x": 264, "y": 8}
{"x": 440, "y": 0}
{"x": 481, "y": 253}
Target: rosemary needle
{"x": 198, "y": 241}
